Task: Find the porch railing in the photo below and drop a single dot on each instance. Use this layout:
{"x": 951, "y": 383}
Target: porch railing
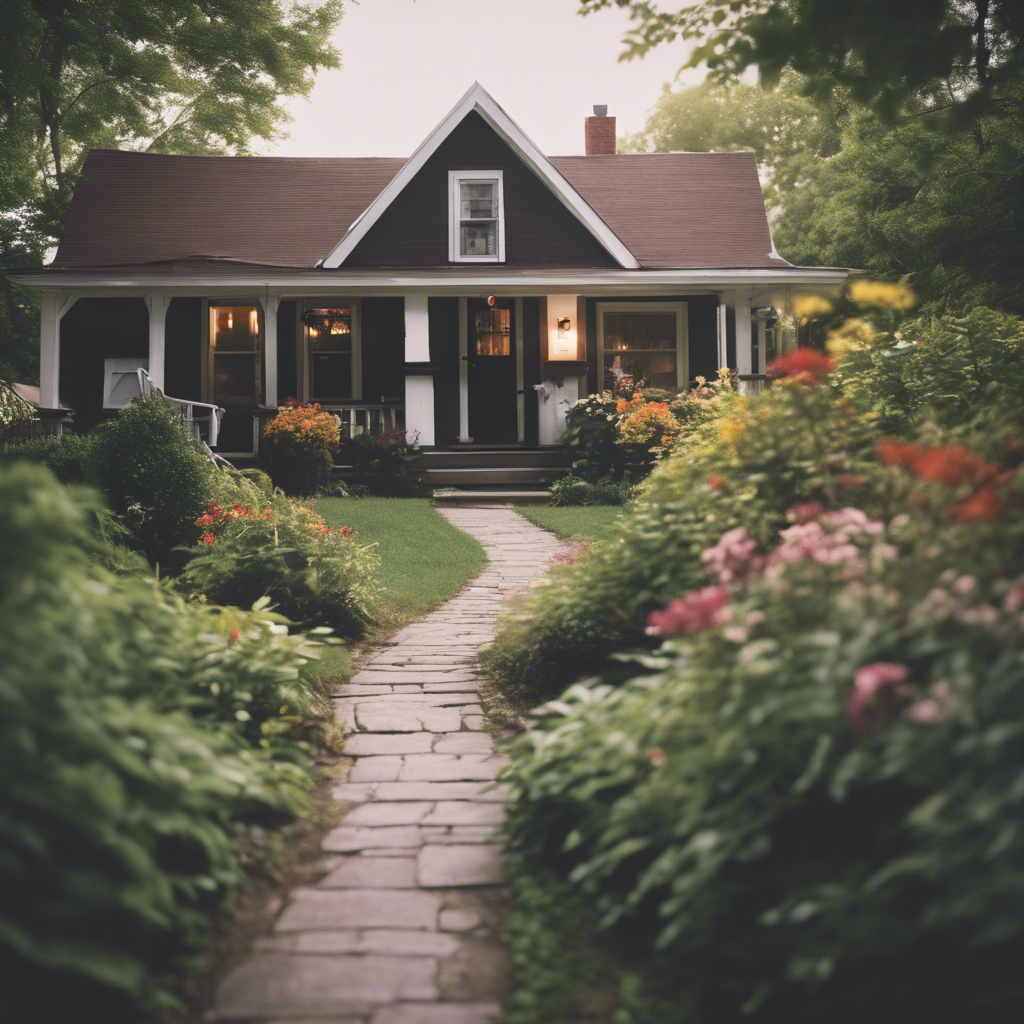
{"x": 375, "y": 420}
{"x": 193, "y": 414}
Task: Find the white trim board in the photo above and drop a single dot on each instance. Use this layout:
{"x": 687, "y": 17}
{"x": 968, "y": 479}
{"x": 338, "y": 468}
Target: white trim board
{"x": 478, "y": 99}
{"x": 455, "y": 180}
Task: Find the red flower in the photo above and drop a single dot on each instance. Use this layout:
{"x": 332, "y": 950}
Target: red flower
{"x": 693, "y": 613}
{"x": 804, "y": 365}
{"x": 850, "y": 481}
{"x": 892, "y": 452}
{"x": 233, "y": 636}
{"x": 806, "y": 512}
{"x": 714, "y": 481}
{"x": 952, "y": 466}
{"x": 207, "y": 538}
{"x": 983, "y": 506}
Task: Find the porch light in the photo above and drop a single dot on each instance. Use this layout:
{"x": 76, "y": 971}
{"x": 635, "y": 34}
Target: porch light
{"x": 563, "y": 344}
{"x": 563, "y": 327}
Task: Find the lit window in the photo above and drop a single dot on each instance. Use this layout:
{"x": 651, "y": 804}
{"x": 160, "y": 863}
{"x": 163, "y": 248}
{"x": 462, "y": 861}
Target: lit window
{"x": 235, "y": 340}
{"x": 330, "y": 353}
{"x": 476, "y": 211}
{"x": 494, "y": 332}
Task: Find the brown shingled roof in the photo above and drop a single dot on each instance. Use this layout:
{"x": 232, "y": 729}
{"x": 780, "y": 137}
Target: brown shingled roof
{"x": 670, "y": 209}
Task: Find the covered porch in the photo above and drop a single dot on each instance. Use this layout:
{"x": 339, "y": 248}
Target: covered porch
{"x": 487, "y": 362}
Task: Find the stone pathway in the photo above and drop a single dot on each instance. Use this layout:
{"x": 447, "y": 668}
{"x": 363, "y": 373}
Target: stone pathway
{"x": 403, "y": 929}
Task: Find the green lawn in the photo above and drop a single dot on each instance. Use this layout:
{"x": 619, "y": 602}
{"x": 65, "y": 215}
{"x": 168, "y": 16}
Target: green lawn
{"x": 424, "y": 559}
{"x": 586, "y": 522}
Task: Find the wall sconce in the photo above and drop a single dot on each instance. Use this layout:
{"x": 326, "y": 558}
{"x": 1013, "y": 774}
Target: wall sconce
{"x": 564, "y": 327}
{"x": 563, "y": 344}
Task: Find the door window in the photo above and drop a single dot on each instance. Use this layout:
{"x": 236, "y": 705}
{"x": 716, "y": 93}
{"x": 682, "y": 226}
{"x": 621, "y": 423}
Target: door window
{"x": 494, "y": 332}
{"x": 330, "y": 353}
{"x": 234, "y": 339}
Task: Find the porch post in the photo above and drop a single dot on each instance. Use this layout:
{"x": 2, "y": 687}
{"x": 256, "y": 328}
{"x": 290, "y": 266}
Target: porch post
{"x": 52, "y": 307}
{"x": 270, "y": 304}
{"x": 743, "y": 351}
{"x": 762, "y": 352}
{"x": 419, "y": 377}
{"x": 157, "y": 304}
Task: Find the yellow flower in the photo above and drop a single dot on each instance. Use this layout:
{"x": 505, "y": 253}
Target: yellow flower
{"x": 806, "y": 307}
{"x": 852, "y": 336}
{"x": 878, "y": 293}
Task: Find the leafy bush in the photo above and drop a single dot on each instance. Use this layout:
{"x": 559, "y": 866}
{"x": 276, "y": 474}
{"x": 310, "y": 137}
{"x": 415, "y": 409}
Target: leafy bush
{"x": 589, "y": 437}
{"x": 740, "y": 463}
{"x": 145, "y": 753}
{"x": 65, "y": 455}
{"x": 153, "y": 471}
{"x": 313, "y": 574}
{"x": 573, "y": 490}
{"x": 805, "y": 812}
{"x": 298, "y": 447}
{"x": 18, "y": 419}
{"x": 388, "y": 465}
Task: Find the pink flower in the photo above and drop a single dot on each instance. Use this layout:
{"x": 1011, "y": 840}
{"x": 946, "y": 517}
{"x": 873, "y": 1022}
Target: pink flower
{"x": 697, "y": 611}
{"x": 733, "y": 558}
{"x": 925, "y": 712}
{"x": 869, "y": 683}
{"x": 1014, "y": 600}
{"x": 806, "y": 512}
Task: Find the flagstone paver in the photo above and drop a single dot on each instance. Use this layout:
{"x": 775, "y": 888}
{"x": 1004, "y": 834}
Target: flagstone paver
{"x": 400, "y": 929}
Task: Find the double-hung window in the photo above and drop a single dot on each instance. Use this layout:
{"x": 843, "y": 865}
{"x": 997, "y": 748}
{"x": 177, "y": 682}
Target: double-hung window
{"x": 476, "y": 214}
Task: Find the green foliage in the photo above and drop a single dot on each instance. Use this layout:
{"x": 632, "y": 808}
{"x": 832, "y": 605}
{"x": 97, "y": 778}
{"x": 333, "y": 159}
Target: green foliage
{"x": 258, "y": 479}
{"x": 592, "y": 523}
{"x": 313, "y": 574}
{"x": 147, "y": 748}
{"x": 742, "y": 464}
{"x": 388, "y": 465}
{"x": 65, "y": 455}
{"x": 963, "y": 372}
{"x": 153, "y": 471}
{"x": 589, "y": 437}
{"x": 572, "y": 490}
{"x": 298, "y": 447}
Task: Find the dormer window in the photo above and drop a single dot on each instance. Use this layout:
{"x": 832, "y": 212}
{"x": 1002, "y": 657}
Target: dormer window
{"x": 476, "y": 214}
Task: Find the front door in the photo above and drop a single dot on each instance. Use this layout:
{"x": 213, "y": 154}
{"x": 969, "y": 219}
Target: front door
{"x": 491, "y": 351}
{"x": 234, "y": 373}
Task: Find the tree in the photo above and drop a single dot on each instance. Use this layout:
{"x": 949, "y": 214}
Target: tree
{"x": 173, "y": 76}
{"x": 885, "y": 53}
{"x": 789, "y": 134}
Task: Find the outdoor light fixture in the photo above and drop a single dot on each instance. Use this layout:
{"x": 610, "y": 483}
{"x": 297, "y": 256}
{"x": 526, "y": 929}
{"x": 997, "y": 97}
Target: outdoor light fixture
{"x": 564, "y": 327}
{"x": 563, "y": 341}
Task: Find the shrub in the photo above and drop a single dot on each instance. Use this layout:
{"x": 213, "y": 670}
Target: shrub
{"x": 388, "y": 465}
{"x": 804, "y": 813}
{"x": 134, "y": 779}
{"x": 18, "y": 419}
{"x": 313, "y": 574}
{"x": 154, "y": 472}
{"x": 589, "y": 438}
{"x": 573, "y": 490}
{"x": 298, "y": 446}
{"x": 65, "y": 455}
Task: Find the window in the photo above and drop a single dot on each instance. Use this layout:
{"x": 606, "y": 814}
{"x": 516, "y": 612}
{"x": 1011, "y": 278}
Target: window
{"x": 330, "y": 352}
{"x": 235, "y": 342}
{"x": 476, "y": 208}
{"x": 642, "y": 346}
{"x": 494, "y": 332}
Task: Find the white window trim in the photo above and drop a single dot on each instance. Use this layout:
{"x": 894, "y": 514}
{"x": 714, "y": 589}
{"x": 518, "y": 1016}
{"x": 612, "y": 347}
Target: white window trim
{"x": 682, "y": 334}
{"x": 455, "y": 179}
{"x": 331, "y": 302}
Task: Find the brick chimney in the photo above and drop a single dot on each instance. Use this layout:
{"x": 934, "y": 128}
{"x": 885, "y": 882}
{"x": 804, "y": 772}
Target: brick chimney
{"x": 600, "y": 132}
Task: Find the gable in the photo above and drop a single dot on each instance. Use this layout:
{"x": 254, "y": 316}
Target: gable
{"x": 539, "y": 230}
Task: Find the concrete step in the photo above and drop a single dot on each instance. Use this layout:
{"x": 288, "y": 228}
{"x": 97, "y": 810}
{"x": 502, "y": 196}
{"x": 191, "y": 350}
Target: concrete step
{"x": 499, "y": 499}
{"x": 515, "y": 476}
{"x": 481, "y": 458}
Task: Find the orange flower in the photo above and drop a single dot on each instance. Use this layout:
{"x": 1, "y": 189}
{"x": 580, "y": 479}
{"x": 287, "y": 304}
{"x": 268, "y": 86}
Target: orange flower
{"x": 983, "y": 506}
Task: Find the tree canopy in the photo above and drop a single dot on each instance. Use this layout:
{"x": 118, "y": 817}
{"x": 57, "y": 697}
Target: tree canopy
{"x": 173, "y": 76}
{"x": 884, "y": 53}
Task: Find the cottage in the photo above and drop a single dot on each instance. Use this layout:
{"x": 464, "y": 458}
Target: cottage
{"x": 467, "y": 292}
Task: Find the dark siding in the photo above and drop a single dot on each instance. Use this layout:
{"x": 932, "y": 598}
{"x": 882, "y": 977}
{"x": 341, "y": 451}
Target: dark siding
{"x": 444, "y": 353}
{"x": 383, "y": 333}
{"x": 539, "y": 231}
{"x": 91, "y": 331}
{"x": 701, "y": 322}
{"x": 287, "y": 365}
{"x": 184, "y": 349}
{"x": 531, "y": 369}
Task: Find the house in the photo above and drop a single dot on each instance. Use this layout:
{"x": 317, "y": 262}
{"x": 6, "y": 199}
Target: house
{"x": 467, "y": 292}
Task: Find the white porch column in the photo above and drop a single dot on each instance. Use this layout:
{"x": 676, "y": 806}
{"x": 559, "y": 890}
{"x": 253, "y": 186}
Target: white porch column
{"x": 270, "y": 304}
{"x": 723, "y": 358}
{"x": 52, "y": 308}
{"x": 464, "y": 437}
{"x": 762, "y": 335}
{"x": 157, "y": 304}
{"x": 419, "y": 387}
{"x": 743, "y": 350}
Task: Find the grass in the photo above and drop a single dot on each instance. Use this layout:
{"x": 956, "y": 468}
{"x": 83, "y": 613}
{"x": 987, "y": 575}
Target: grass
{"x": 424, "y": 559}
{"x": 585, "y": 522}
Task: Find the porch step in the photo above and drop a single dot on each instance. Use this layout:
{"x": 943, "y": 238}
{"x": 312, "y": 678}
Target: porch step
{"x": 496, "y": 456}
{"x": 492, "y": 476}
{"x": 494, "y": 499}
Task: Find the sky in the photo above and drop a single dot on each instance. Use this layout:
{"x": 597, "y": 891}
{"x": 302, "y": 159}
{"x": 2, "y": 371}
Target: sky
{"x": 405, "y": 64}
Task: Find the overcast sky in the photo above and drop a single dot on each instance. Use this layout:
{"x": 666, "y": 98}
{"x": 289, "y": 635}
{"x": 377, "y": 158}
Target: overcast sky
{"x": 405, "y": 63}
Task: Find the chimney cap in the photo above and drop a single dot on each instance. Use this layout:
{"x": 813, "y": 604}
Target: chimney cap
{"x": 600, "y": 110}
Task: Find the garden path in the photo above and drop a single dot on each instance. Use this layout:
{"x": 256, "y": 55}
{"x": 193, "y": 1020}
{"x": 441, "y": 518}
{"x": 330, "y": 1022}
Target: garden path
{"x": 403, "y": 929}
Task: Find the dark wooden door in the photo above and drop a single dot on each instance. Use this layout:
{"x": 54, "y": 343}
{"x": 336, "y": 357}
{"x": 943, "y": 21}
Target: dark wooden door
{"x": 491, "y": 337}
